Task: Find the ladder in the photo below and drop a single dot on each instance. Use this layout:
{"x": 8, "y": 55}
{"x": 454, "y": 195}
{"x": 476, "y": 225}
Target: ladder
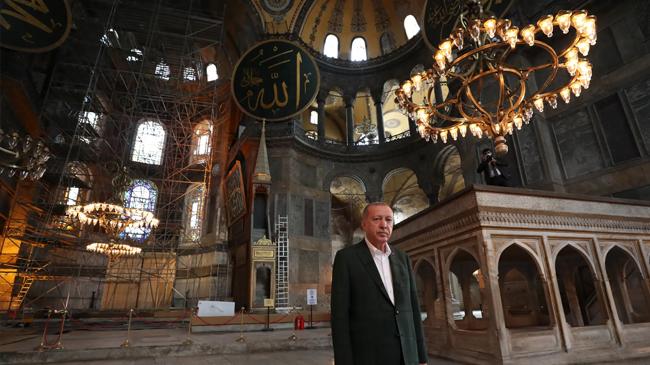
{"x": 282, "y": 278}
{"x": 17, "y": 301}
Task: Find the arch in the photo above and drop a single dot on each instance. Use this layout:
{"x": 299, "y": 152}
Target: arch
{"x": 358, "y": 49}
{"x": 630, "y": 294}
{"x": 411, "y": 27}
{"x": 78, "y": 182}
{"x": 331, "y": 46}
{"x": 201, "y": 142}
{"x": 448, "y": 172}
{"x": 162, "y": 70}
{"x": 193, "y": 214}
{"x": 578, "y": 249}
{"x": 627, "y": 250}
{"x": 211, "y": 72}
{"x": 401, "y": 191}
{"x": 536, "y": 259}
{"x": 365, "y": 118}
{"x": 427, "y": 287}
{"x": 466, "y": 287}
{"x": 580, "y": 294}
{"x": 149, "y": 142}
{"x": 189, "y": 73}
{"x": 395, "y": 121}
{"x": 524, "y": 296}
{"x": 141, "y": 194}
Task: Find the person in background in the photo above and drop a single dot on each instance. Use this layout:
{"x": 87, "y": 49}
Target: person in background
{"x": 492, "y": 169}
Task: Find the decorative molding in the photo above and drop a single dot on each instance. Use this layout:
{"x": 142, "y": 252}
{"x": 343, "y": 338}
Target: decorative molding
{"x": 314, "y": 29}
{"x": 547, "y": 221}
{"x": 335, "y": 24}
{"x": 358, "y": 19}
{"x": 382, "y": 21}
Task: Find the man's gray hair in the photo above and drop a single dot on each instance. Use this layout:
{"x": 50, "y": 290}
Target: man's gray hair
{"x": 374, "y": 204}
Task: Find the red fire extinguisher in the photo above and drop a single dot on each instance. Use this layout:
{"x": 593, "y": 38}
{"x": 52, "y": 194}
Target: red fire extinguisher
{"x": 299, "y": 322}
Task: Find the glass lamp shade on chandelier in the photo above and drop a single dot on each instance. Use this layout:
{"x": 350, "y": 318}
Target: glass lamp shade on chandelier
{"x": 22, "y": 156}
{"x": 484, "y": 65}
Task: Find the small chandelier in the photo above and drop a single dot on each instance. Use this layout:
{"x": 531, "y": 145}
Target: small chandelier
{"x": 488, "y": 94}
{"x": 113, "y": 250}
{"x": 22, "y": 156}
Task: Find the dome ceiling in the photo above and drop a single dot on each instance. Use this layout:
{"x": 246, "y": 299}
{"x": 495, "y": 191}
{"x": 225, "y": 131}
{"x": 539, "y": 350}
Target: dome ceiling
{"x": 313, "y": 20}
{"x": 348, "y": 19}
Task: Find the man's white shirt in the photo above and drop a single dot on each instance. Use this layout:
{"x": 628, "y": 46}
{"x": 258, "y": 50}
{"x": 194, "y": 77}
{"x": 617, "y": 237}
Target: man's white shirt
{"x": 383, "y": 266}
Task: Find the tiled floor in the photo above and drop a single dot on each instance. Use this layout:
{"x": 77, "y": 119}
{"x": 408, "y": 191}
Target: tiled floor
{"x": 164, "y": 347}
{"x": 318, "y": 357}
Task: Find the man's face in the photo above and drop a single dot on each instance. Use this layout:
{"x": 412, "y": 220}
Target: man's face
{"x": 378, "y": 224}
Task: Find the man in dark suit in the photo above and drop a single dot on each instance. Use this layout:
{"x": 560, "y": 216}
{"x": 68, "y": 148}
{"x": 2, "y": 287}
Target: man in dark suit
{"x": 375, "y": 312}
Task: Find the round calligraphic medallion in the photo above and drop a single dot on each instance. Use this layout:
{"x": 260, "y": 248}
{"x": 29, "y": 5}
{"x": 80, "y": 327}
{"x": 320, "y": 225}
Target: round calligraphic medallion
{"x": 441, "y": 17}
{"x": 275, "y": 80}
{"x": 276, "y": 6}
{"x": 35, "y": 25}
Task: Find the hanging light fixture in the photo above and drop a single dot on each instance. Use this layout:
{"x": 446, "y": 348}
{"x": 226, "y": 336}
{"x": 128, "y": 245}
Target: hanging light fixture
{"x": 113, "y": 250}
{"x": 481, "y": 64}
{"x": 22, "y": 156}
{"x": 113, "y": 218}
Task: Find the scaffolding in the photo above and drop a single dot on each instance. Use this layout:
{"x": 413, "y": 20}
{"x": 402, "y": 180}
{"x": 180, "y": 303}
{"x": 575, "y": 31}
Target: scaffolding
{"x": 143, "y": 61}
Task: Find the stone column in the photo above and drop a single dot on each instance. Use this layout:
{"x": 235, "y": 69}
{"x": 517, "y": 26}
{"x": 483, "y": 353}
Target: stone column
{"x": 376, "y": 97}
{"x": 349, "y": 120}
{"x": 321, "y": 119}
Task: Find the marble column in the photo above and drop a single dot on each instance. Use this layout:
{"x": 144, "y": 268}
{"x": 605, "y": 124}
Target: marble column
{"x": 321, "y": 119}
{"x": 349, "y": 121}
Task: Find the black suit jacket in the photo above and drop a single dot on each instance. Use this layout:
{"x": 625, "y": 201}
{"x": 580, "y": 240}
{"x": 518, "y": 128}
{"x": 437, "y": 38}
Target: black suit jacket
{"x": 367, "y": 329}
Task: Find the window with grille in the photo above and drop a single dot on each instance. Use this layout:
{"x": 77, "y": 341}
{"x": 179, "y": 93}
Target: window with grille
{"x": 149, "y": 143}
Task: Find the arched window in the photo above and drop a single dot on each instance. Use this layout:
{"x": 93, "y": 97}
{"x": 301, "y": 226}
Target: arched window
{"x": 194, "y": 202}
{"x": 313, "y": 117}
{"x": 211, "y": 72}
{"x": 149, "y": 143}
{"x": 358, "y": 50}
{"x": 79, "y": 182}
{"x": 201, "y": 142}
{"x": 189, "y": 73}
{"x": 91, "y": 118}
{"x": 142, "y": 194}
{"x": 110, "y": 38}
{"x": 411, "y": 26}
{"x": 162, "y": 71}
{"x": 134, "y": 55}
{"x": 331, "y": 47}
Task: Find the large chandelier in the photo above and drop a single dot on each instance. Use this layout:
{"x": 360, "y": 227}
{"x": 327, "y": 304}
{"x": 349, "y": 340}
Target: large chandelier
{"x": 113, "y": 219}
{"x": 483, "y": 64}
{"x": 22, "y": 156}
{"x": 113, "y": 250}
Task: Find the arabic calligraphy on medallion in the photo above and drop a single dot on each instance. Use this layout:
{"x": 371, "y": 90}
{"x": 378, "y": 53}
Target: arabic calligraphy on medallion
{"x": 34, "y": 25}
{"x": 275, "y": 80}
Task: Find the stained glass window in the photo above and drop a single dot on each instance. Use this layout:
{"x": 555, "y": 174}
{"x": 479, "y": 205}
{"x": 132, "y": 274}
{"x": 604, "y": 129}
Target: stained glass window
{"x": 411, "y": 26}
{"x": 211, "y": 71}
{"x": 201, "y": 142}
{"x": 194, "y": 202}
{"x": 142, "y": 194}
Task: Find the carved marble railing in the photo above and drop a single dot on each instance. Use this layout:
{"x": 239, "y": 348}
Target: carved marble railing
{"x": 480, "y": 223}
